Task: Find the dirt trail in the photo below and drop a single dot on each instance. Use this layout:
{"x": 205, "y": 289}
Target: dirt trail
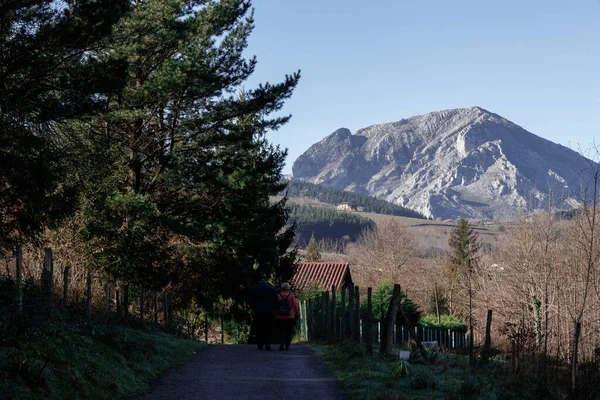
{"x": 243, "y": 372}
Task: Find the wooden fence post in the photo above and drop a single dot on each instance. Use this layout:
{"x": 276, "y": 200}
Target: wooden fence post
{"x": 170, "y": 307}
{"x": 326, "y": 315}
{"x": 47, "y": 276}
{"x": 126, "y": 300}
{"x": 166, "y": 309}
{"x": 305, "y": 313}
{"x": 333, "y": 314}
{"x": 222, "y": 328}
{"x": 89, "y": 294}
{"x": 356, "y": 336}
{"x": 156, "y": 307}
{"x": 314, "y": 329}
{"x": 19, "y": 292}
{"x": 413, "y": 333}
{"x": 66, "y": 272}
{"x": 343, "y": 314}
{"x": 351, "y": 312}
{"x": 118, "y": 298}
{"x": 107, "y": 295}
{"x": 142, "y": 300}
{"x": 206, "y": 326}
{"x": 369, "y": 332}
{"x": 390, "y": 320}
{"x": 309, "y": 320}
{"x": 488, "y": 338}
{"x": 168, "y": 312}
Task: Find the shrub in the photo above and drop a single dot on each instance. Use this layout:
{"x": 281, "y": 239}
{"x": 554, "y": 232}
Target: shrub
{"x": 470, "y": 388}
{"x": 312, "y": 292}
{"x": 381, "y": 301}
{"x": 424, "y": 382}
{"x": 446, "y": 322}
{"x": 400, "y": 370}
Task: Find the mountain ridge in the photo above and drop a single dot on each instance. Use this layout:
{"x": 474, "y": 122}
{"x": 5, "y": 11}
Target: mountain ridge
{"x": 465, "y": 162}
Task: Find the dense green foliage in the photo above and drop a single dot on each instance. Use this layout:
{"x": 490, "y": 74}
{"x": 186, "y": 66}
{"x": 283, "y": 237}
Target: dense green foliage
{"x": 446, "y": 322}
{"x": 326, "y": 223}
{"x": 364, "y": 377}
{"x": 177, "y": 172}
{"x": 464, "y": 245}
{"x": 45, "y": 81}
{"x": 380, "y": 303}
{"x": 312, "y": 250}
{"x": 297, "y": 188}
{"x": 66, "y": 360}
{"x": 140, "y": 130}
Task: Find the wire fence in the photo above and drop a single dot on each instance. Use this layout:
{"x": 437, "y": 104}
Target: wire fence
{"x": 32, "y": 285}
{"x": 332, "y": 317}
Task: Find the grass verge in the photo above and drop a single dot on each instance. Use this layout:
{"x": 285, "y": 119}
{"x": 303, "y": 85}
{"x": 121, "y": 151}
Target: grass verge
{"x": 62, "y": 360}
{"x": 374, "y": 377}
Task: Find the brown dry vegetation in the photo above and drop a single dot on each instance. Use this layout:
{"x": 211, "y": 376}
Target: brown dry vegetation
{"x": 538, "y": 274}
{"x": 67, "y": 250}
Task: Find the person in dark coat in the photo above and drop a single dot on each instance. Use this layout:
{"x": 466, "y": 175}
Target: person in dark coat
{"x": 263, "y": 300}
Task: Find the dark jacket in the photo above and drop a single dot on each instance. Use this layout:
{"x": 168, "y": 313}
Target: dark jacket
{"x": 263, "y": 298}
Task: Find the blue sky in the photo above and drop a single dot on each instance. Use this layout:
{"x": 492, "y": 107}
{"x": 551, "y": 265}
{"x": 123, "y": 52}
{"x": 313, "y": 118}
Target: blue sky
{"x": 536, "y": 63}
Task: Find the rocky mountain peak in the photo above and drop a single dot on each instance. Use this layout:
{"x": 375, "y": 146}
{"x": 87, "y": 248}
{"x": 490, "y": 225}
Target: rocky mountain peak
{"x": 465, "y": 162}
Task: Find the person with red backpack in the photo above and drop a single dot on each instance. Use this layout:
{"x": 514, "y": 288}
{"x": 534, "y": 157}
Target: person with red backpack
{"x": 287, "y": 312}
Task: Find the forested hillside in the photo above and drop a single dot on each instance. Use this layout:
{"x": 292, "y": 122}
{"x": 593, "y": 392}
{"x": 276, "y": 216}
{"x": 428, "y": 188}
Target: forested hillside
{"x": 326, "y": 224}
{"x": 331, "y": 195}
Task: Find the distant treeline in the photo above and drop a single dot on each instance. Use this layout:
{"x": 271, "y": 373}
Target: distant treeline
{"x": 297, "y": 188}
{"x": 567, "y": 214}
{"x": 326, "y": 223}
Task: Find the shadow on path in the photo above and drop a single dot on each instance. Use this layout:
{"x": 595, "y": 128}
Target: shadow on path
{"x": 243, "y": 372}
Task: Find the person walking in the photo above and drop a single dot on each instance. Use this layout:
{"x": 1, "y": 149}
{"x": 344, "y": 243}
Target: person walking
{"x": 287, "y": 312}
{"x": 263, "y": 300}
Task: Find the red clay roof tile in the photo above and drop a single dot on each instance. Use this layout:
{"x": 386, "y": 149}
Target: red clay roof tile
{"x": 324, "y": 274}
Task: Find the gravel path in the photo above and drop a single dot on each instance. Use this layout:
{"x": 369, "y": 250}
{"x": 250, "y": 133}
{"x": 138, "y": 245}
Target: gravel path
{"x": 243, "y": 372}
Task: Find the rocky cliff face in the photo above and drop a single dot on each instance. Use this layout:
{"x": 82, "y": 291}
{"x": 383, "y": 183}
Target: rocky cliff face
{"x": 455, "y": 163}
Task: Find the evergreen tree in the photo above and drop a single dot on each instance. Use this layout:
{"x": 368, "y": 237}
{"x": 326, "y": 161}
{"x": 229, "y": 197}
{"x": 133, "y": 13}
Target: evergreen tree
{"x": 47, "y": 78}
{"x": 177, "y": 171}
{"x": 326, "y": 223}
{"x": 312, "y": 250}
{"x": 464, "y": 257}
{"x": 297, "y": 188}
{"x": 464, "y": 245}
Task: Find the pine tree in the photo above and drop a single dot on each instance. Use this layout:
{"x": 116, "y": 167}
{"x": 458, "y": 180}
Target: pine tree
{"x": 464, "y": 258}
{"x": 464, "y": 245}
{"x": 312, "y": 250}
{"x": 178, "y": 173}
{"x": 46, "y": 79}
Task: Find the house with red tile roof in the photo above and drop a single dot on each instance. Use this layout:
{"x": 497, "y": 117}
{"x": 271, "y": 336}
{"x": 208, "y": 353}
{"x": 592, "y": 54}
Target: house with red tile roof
{"x": 323, "y": 274}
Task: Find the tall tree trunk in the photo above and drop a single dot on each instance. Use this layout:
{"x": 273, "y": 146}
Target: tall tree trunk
{"x": 576, "y": 333}
{"x": 536, "y": 305}
{"x": 546, "y": 328}
{"x": 472, "y": 339}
